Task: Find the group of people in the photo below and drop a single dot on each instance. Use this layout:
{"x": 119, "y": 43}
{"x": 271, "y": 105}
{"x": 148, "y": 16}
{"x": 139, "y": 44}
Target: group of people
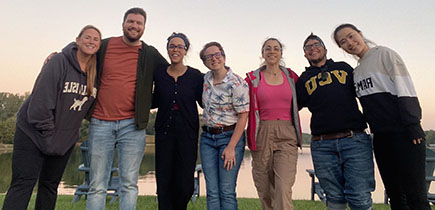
{"x": 114, "y": 82}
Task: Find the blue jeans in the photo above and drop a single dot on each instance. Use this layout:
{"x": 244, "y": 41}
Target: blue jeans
{"x": 220, "y": 183}
{"x": 103, "y": 137}
{"x": 345, "y": 171}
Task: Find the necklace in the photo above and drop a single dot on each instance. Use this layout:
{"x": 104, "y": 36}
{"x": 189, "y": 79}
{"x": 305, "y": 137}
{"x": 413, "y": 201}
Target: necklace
{"x": 272, "y": 73}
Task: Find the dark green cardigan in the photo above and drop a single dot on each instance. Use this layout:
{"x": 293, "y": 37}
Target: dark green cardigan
{"x": 148, "y": 61}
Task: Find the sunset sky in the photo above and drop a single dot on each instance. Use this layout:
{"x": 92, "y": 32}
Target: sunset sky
{"x": 30, "y": 30}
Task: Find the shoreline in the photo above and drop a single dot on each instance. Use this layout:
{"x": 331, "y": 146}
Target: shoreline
{"x": 5, "y": 148}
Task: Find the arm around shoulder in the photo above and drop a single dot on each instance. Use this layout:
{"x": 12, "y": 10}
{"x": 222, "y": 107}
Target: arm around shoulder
{"x": 158, "y": 58}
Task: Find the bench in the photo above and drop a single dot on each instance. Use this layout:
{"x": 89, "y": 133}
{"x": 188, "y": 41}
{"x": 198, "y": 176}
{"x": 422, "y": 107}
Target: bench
{"x": 113, "y": 187}
{"x": 430, "y": 166}
{"x": 315, "y": 187}
{"x": 83, "y": 189}
{"x": 198, "y": 171}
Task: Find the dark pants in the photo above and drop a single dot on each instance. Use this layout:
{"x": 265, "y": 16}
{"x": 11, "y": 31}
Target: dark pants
{"x": 402, "y": 167}
{"x": 28, "y": 166}
{"x": 176, "y": 153}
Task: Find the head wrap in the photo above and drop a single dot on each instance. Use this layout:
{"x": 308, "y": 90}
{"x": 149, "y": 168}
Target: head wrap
{"x": 181, "y": 36}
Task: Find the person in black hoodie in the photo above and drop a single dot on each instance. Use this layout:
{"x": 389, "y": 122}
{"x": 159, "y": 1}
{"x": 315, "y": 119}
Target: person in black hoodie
{"x": 340, "y": 148}
{"x": 48, "y": 122}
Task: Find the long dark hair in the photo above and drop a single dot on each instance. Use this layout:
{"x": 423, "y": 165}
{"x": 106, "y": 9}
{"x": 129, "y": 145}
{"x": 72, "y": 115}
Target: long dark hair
{"x": 344, "y": 25}
{"x": 348, "y": 25}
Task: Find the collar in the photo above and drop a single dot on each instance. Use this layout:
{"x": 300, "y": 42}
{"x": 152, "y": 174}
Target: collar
{"x": 328, "y": 62}
{"x": 368, "y": 53}
{"x": 209, "y": 76}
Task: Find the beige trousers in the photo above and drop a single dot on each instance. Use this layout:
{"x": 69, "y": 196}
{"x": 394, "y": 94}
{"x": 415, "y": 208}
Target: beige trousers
{"x": 274, "y": 164}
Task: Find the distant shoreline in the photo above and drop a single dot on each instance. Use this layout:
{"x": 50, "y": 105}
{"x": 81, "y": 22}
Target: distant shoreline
{"x": 150, "y": 139}
{"x": 6, "y": 148}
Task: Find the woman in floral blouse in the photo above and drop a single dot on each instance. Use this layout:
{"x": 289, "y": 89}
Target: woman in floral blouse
{"x": 226, "y": 106}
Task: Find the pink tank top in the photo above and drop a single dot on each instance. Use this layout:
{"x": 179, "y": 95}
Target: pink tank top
{"x": 274, "y": 101}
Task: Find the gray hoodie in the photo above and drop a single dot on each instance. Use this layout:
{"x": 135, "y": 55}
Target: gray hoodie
{"x": 51, "y": 116}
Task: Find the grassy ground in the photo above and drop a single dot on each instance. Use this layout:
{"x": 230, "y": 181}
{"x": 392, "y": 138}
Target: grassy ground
{"x": 149, "y": 203}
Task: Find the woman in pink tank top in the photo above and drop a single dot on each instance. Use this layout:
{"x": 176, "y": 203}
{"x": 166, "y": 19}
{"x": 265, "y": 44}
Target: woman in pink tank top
{"x": 273, "y": 131}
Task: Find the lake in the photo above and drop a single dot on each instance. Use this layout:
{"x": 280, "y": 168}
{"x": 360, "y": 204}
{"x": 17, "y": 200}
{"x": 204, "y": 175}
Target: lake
{"x": 147, "y": 185}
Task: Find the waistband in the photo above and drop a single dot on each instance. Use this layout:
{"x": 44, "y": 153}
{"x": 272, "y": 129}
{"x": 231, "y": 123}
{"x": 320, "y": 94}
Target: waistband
{"x": 337, "y": 135}
{"x": 218, "y": 130}
{"x": 275, "y": 122}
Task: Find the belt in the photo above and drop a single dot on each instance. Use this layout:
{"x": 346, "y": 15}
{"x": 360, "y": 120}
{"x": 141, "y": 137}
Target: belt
{"x": 337, "y": 135}
{"x": 217, "y": 130}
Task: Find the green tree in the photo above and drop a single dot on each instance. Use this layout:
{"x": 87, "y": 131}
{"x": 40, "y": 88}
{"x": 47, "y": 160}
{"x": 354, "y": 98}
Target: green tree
{"x": 9, "y": 104}
{"x": 84, "y": 130}
{"x": 7, "y": 130}
{"x": 430, "y": 137}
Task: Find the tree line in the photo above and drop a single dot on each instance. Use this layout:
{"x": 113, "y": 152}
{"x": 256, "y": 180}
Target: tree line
{"x": 10, "y": 103}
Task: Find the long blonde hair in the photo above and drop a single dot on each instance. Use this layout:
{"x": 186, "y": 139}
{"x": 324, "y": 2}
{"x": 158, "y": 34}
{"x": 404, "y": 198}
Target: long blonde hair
{"x": 91, "y": 66}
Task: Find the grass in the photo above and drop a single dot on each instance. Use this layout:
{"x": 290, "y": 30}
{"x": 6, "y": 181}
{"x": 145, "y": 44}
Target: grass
{"x": 149, "y": 203}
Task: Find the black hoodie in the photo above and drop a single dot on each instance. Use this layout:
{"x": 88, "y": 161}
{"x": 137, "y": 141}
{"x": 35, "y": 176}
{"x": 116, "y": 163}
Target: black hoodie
{"x": 331, "y": 100}
{"x": 51, "y": 116}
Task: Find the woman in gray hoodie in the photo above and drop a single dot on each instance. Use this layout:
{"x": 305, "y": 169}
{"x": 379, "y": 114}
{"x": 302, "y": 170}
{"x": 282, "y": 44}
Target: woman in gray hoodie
{"x": 48, "y": 122}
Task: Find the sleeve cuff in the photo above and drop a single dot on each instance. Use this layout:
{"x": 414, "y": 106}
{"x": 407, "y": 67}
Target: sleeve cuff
{"x": 415, "y": 131}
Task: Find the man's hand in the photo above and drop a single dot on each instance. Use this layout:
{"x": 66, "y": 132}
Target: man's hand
{"x": 49, "y": 57}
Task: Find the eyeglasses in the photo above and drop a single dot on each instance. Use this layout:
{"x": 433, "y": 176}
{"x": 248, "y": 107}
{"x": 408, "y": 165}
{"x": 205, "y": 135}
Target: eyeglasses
{"x": 316, "y": 45}
{"x": 180, "y": 47}
{"x": 217, "y": 55}
{"x": 272, "y": 49}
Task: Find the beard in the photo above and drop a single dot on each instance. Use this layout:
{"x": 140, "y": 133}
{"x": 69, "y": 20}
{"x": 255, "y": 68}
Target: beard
{"x": 131, "y": 38}
{"x": 316, "y": 61}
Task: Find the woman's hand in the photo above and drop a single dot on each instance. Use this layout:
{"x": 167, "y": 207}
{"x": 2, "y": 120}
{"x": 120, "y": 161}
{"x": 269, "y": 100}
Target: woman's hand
{"x": 229, "y": 157}
{"x": 229, "y": 153}
{"x": 416, "y": 141}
